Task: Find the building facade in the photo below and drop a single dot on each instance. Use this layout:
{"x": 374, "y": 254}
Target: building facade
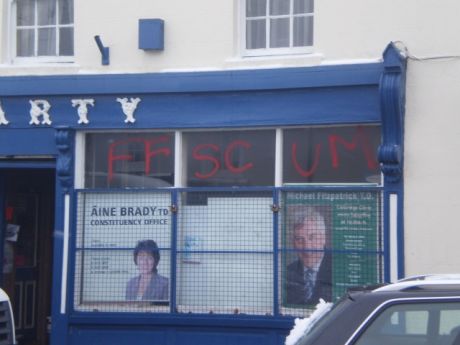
{"x": 170, "y": 173}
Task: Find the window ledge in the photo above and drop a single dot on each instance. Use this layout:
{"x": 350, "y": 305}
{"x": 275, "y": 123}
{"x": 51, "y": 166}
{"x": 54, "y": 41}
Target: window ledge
{"x": 52, "y": 68}
{"x": 275, "y": 61}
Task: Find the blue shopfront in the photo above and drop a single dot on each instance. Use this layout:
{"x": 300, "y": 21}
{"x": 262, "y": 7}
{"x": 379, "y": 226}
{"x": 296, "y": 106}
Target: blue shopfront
{"x": 164, "y": 208}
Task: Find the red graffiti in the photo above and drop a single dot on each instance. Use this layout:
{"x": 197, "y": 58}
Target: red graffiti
{"x": 360, "y": 139}
{"x": 214, "y": 157}
{"x": 202, "y": 157}
{"x": 298, "y": 168}
{"x": 149, "y": 152}
{"x": 216, "y": 165}
{"x": 228, "y": 155}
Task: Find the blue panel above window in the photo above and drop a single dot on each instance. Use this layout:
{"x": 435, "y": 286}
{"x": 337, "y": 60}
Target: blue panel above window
{"x": 151, "y": 34}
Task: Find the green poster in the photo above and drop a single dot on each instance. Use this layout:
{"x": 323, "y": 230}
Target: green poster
{"x": 334, "y": 240}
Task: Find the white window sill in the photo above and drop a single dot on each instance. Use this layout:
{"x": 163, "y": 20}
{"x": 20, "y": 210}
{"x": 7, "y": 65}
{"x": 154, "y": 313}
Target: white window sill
{"x": 274, "y": 61}
{"x": 42, "y": 68}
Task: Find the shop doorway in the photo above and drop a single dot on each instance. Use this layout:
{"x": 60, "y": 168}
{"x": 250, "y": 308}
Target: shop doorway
{"x": 28, "y": 201}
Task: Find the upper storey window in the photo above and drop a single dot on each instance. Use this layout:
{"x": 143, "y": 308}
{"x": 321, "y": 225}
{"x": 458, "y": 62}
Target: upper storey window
{"x": 278, "y": 26}
{"x": 44, "y": 30}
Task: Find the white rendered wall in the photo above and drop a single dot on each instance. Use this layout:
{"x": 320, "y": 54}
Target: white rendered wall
{"x": 432, "y": 167}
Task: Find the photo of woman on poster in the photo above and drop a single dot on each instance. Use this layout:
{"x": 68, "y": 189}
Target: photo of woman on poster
{"x": 148, "y": 285}
{"x": 309, "y": 276}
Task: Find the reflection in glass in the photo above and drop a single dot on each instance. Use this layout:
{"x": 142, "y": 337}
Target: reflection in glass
{"x": 230, "y": 158}
{"x": 25, "y": 12}
{"x": 303, "y": 31}
{"x": 303, "y": 6}
{"x": 46, "y": 12}
{"x": 46, "y": 41}
{"x": 65, "y": 11}
{"x": 25, "y": 42}
{"x": 279, "y": 7}
{"x": 255, "y": 34}
{"x": 66, "y": 41}
{"x": 279, "y": 33}
{"x": 256, "y": 8}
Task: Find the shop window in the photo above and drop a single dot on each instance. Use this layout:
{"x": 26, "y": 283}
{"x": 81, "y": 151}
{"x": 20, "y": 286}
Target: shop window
{"x": 123, "y": 251}
{"x": 225, "y": 254}
{"x": 228, "y": 240}
{"x": 118, "y": 160}
{"x": 346, "y": 154}
{"x": 44, "y": 30}
{"x": 230, "y": 158}
{"x": 278, "y": 26}
{"x": 335, "y": 238}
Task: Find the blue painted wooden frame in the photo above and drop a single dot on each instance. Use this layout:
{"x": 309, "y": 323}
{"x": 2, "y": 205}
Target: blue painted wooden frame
{"x": 343, "y": 94}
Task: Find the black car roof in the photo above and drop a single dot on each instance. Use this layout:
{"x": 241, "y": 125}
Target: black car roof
{"x": 359, "y": 303}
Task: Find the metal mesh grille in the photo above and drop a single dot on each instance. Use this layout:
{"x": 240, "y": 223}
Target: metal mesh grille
{"x": 216, "y": 253}
{"x": 330, "y": 241}
{"x": 225, "y": 261}
{"x": 115, "y": 233}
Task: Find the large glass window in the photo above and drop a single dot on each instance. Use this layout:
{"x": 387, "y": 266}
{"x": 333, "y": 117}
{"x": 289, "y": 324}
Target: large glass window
{"x": 226, "y": 240}
{"x": 345, "y": 154}
{"x": 230, "y": 158}
{"x": 329, "y": 241}
{"x": 123, "y": 251}
{"x": 114, "y": 160}
{"x": 272, "y": 25}
{"x": 225, "y": 253}
{"x": 44, "y": 28}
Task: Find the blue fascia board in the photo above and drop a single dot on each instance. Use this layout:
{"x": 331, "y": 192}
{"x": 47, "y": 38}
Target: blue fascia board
{"x": 221, "y": 81}
{"x": 242, "y": 321}
{"x": 293, "y": 107}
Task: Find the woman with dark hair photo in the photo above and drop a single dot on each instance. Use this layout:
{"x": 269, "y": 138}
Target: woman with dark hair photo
{"x": 148, "y": 285}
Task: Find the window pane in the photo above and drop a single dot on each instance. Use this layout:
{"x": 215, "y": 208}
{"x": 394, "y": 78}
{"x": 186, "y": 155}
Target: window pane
{"x": 46, "y": 12}
{"x": 25, "y": 12}
{"x": 303, "y": 31}
{"x": 279, "y": 33}
{"x": 66, "y": 41}
{"x": 256, "y": 8}
{"x": 129, "y": 160}
{"x": 278, "y": 7}
{"x": 47, "y": 42}
{"x": 225, "y": 264}
{"x": 326, "y": 246}
{"x": 255, "y": 34}
{"x": 345, "y": 154}
{"x": 303, "y": 6}
{"x": 122, "y": 237}
{"x": 449, "y": 322}
{"x": 230, "y": 158}
{"x": 25, "y": 42}
{"x": 65, "y": 11}
{"x": 413, "y": 323}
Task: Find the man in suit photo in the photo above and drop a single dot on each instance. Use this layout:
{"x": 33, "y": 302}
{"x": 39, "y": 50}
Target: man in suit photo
{"x": 308, "y": 277}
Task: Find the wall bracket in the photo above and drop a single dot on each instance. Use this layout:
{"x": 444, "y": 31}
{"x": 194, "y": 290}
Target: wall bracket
{"x": 105, "y": 51}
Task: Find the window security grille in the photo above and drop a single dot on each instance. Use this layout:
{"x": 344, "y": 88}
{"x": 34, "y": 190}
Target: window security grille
{"x": 224, "y": 251}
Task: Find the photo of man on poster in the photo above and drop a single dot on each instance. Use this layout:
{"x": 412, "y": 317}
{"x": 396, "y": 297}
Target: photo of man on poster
{"x": 309, "y": 277}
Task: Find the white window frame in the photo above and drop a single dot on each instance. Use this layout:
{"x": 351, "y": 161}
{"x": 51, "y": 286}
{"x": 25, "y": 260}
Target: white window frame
{"x": 12, "y": 39}
{"x": 271, "y": 51}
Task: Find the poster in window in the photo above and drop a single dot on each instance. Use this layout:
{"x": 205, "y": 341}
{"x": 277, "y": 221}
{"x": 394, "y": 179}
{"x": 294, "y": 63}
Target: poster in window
{"x": 123, "y": 247}
{"x": 332, "y": 242}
